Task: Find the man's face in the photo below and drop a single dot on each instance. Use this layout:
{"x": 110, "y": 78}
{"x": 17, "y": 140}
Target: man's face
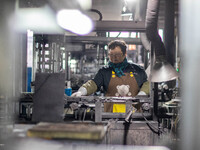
{"x": 116, "y": 55}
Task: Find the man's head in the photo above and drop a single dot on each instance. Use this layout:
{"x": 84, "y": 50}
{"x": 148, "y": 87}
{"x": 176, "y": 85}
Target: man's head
{"x": 117, "y": 51}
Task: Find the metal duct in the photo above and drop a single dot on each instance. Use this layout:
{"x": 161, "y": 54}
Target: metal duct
{"x": 145, "y": 42}
{"x": 162, "y": 71}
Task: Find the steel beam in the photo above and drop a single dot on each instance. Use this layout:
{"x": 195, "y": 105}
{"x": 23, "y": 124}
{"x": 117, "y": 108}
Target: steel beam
{"x": 120, "y": 26}
{"x": 99, "y": 40}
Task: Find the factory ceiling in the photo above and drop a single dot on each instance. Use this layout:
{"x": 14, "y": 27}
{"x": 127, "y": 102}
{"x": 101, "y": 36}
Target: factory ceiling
{"x": 110, "y": 9}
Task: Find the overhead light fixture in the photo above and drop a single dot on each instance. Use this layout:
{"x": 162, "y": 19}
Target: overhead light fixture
{"x": 71, "y": 15}
{"x": 74, "y": 21}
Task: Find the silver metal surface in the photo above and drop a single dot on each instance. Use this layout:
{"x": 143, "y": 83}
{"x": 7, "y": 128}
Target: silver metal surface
{"x": 128, "y": 114}
{"x": 120, "y": 26}
{"x": 91, "y": 99}
{"x": 163, "y": 71}
{"x": 98, "y": 111}
{"x": 41, "y": 144}
{"x": 122, "y": 115}
{"x": 98, "y": 102}
{"x": 96, "y": 39}
{"x": 10, "y": 68}
{"x": 190, "y": 73}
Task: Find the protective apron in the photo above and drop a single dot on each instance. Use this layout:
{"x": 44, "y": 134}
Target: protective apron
{"x": 115, "y": 81}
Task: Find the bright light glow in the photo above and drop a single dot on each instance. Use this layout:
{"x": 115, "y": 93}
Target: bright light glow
{"x": 106, "y": 47}
{"x": 39, "y": 20}
{"x": 85, "y": 4}
{"x": 74, "y": 21}
{"x": 125, "y": 12}
{"x": 119, "y": 34}
{"x": 130, "y": 0}
{"x": 124, "y": 35}
{"x": 72, "y": 63}
{"x": 133, "y": 34}
{"x": 29, "y": 48}
{"x": 114, "y": 34}
{"x": 160, "y": 32}
{"x": 124, "y": 9}
{"x": 131, "y": 47}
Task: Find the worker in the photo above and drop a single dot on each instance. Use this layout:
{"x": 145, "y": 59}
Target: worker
{"x": 118, "y": 78}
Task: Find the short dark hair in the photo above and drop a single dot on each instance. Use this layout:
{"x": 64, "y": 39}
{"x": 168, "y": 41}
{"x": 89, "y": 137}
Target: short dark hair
{"x": 120, "y": 43}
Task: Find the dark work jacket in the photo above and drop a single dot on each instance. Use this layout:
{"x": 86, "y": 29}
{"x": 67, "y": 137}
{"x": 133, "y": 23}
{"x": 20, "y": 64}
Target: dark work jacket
{"x": 102, "y": 78}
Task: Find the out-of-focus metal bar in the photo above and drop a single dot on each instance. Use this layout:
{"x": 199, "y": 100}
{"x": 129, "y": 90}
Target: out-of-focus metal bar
{"x": 92, "y": 99}
{"x": 169, "y": 31}
{"x": 120, "y": 26}
{"x": 98, "y": 111}
{"x": 95, "y": 39}
{"x": 190, "y": 46}
{"x": 122, "y": 115}
{"x": 10, "y": 75}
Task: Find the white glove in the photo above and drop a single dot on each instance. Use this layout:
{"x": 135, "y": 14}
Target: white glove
{"x": 81, "y": 92}
{"x": 142, "y": 93}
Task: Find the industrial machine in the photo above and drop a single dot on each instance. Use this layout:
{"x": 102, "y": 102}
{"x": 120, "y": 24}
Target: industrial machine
{"x": 53, "y": 63}
{"x": 146, "y": 118}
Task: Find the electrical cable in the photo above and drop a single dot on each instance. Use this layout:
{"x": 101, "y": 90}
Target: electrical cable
{"x": 118, "y": 34}
{"x": 152, "y": 127}
{"x": 98, "y": 12}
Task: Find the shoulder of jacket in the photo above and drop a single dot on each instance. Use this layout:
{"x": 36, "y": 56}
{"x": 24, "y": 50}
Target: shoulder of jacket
{"x": 105, "y": 69}
{"x": 136, "y": 66}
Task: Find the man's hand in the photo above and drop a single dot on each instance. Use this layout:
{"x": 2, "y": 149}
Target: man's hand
{"x": 81, "y": 92}
{"x": 77, "y": 94}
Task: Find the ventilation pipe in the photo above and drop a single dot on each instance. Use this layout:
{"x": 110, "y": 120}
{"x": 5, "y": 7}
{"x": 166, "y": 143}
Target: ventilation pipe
{"x": 162, "y": 71}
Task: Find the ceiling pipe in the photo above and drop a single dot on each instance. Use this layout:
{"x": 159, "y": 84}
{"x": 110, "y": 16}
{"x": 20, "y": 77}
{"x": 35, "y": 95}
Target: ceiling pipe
{"x": 145, "y": 42}
{"x": 162, "y": 71}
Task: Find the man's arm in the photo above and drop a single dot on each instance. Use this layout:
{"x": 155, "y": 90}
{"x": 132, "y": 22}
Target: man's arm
{"x": 90, "y": 86}
{"x": 145, "y": 89}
